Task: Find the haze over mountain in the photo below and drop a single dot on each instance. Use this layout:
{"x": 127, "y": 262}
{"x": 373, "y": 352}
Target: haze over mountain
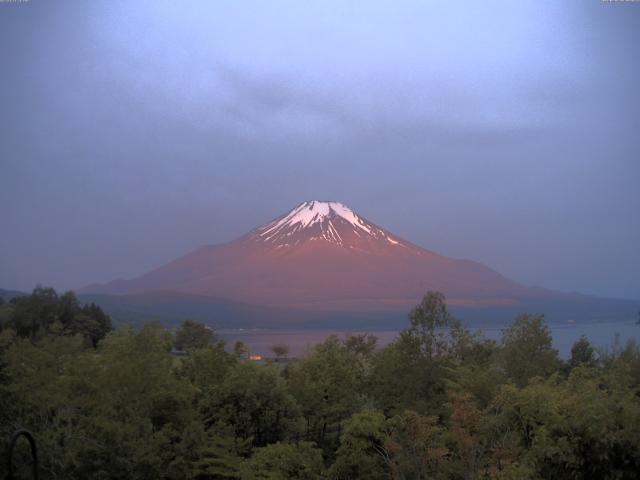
{"x": 324, "y": 258}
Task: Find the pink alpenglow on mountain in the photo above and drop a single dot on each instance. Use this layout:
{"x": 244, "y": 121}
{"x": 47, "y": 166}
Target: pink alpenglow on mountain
{"x": 325, "y": 257}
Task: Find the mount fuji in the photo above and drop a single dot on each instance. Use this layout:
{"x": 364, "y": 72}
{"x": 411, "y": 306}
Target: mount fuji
{"x": 317, "y": 262}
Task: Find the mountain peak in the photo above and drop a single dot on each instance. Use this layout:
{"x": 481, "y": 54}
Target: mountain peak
{"x": 321, "y": 258}
{"x": 316, "y": 211}
{"x": 330, "y": 221}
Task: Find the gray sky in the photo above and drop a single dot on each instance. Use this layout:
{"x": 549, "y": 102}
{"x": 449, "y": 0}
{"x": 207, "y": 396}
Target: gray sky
{"x": 504, "y": 132}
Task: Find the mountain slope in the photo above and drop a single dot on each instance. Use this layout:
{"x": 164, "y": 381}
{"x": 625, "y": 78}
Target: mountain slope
{"x": 322, "y": 256}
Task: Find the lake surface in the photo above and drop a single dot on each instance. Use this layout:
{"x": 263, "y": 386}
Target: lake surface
{"x": 261, "y": 341}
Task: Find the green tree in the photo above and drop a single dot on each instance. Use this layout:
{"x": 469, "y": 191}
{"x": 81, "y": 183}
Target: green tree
{"x": 68, "y": 307}
{"x": 202, "y": 454}
{"x": 527, "y": 350}
{"x": 475, "y": 371}
{"x": 206, "y": 368}
{"x": 364, "y": 344}
{"x": 90, "y": 322}
{"x": 363, "y": 451}
{"x": 328, "y": 386}
{"x": 412, "y": 372}
{"x": 135, "y": 409}
{"x": 282, "y": 461}
{"x": 254, "y": 401}
{"x": 6, "y": 313}
{"x": 432, "y": 327}
{"x": 585, "y": 427}
{"x": 35, "y": 395}
{"x": 45, "y": 313}
{"x": 35, "y": 314}
{"x": 192, "y": 335}
{"x": 582, "y": 353}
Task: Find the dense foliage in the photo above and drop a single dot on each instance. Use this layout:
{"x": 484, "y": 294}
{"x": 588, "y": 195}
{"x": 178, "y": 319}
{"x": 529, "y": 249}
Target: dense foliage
{"x": 438, "y": 403}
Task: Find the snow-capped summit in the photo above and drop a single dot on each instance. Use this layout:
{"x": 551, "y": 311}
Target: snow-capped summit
{"x": 316, "y": 211}
{"x": 327, "y": 221}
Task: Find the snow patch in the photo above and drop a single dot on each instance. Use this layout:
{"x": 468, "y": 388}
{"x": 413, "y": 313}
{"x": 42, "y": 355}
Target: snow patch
{"x": 312, "y": 212}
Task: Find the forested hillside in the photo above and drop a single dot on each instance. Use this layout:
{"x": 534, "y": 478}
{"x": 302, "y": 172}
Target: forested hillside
{"x": 438, "y": 403}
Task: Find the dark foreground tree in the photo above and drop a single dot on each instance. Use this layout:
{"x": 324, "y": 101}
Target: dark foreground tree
{"x": 438, "y": 403}
{"x": 241, "y": 349}
{"x": 45, "y": 313}
{"x": 192, "y": 335}
{"x": 582, "y": 353}
{"x": 280, "y": 350}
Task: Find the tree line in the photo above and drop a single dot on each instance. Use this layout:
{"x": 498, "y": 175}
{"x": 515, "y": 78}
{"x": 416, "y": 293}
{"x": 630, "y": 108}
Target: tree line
{"x": 440, "y": 402}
